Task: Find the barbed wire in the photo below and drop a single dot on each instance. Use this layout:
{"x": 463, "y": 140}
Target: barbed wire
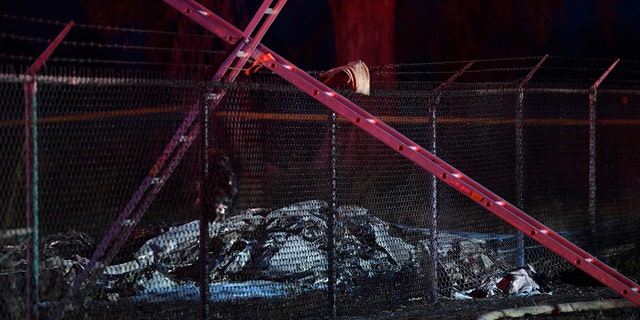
{"x": 91, "y": 61}
{"x": 574, "y": 67}
{"x": 105, "y": 45}
{"x": 455, "y": 62}
{"x": 102, "y": 27}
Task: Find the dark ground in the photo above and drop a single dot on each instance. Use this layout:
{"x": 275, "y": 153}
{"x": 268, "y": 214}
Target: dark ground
{"x": 300, "y": 308}
{"x": 379, "y": 301}
{"x": 470, "y": 309}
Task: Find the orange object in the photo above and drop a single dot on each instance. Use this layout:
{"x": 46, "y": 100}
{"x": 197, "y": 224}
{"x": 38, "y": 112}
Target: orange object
{"x": 258, "y": 63}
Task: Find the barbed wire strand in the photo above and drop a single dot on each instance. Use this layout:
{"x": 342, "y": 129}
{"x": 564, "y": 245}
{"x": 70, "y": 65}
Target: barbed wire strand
{"x": 102, "y": 27}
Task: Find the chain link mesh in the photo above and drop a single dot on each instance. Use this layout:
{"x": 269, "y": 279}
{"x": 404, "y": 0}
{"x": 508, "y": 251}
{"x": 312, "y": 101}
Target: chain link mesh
{"x": 399, "y": 237}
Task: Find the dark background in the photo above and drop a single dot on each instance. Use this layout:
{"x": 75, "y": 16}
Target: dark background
{"x": 426, "y": 31}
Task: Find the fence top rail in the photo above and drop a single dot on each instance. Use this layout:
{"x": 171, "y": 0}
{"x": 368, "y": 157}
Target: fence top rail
{"x": 106, "y": 81}
{"x": 466, "y": 88}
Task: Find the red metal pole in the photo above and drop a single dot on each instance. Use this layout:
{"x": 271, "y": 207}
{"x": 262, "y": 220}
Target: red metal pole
{"x": 49, "y": 50}
{"x": 532, "y": 72}
{"x": 456, "y": 179}
{"x": 436, "y": 166}
{"x": 179, "y": 144}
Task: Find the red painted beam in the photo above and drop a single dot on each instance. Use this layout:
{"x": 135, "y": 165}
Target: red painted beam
{"x": 178, "y": 145}
{"x": 412, "y": 151}
{"x": 49, "y": 50}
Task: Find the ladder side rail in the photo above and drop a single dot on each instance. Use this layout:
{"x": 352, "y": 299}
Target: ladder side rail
{"x": 455, "y": 178}
{"x": 200, "y": 14}
{"x": 256, "y": 19}
{"x": 252, "y": 43}
{"x": 122, "y": 219}
{"x": 155, "y": 189}
{"x": 436, "y": 166}
{"x": 159, "y": 169}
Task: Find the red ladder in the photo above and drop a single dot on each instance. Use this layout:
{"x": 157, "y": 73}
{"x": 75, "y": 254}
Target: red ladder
{"x": 177, "y": 147}
{"x": 417, "y": 154}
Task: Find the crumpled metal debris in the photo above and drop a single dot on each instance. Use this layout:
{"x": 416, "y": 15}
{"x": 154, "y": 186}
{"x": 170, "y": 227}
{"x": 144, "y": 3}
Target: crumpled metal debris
{"x": 290, "y": 244}
{"x": 287, "y": 244}
{"x": 519, "y": 281}
{"x": 60, "y": 263}
{"x": 465, "y": 261}
{"x": 66, "y": 245}
{"x": 176, "y": 247}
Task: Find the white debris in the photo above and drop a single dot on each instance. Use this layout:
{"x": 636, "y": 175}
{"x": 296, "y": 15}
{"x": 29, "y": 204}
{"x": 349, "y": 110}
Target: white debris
{"x": 522, "y": 283}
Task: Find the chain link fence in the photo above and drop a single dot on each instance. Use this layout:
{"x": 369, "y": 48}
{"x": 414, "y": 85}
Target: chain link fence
{"x": 322, "y": 219}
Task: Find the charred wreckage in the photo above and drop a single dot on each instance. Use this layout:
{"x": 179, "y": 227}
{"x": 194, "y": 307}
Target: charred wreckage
{"x": 286, "y": 245}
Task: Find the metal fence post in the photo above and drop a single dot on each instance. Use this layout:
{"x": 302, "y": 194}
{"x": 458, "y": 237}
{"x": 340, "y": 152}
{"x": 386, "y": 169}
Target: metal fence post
{"x": 331, "y": 215}
{"x": 31, "y": 174}
{"x": 433, "y": 240}
{"x": 593, "y": 94}
{"x": 520, "y": 156}
{"x": 520, "y": 255}
{"x": 31, "y": 180}
{"x": 204, "y": 209}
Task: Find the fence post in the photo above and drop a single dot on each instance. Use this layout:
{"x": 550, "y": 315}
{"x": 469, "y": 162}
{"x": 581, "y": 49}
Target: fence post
{"x": 593, "y": 95}
{"x": 433, "y": 239}
{"x": 31, "y": 180}
{"x": 31, "y": 175}
{"x": 520, "y": 257}
{"x": 204, "y": 208}
{"x": 331, "y": 215}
